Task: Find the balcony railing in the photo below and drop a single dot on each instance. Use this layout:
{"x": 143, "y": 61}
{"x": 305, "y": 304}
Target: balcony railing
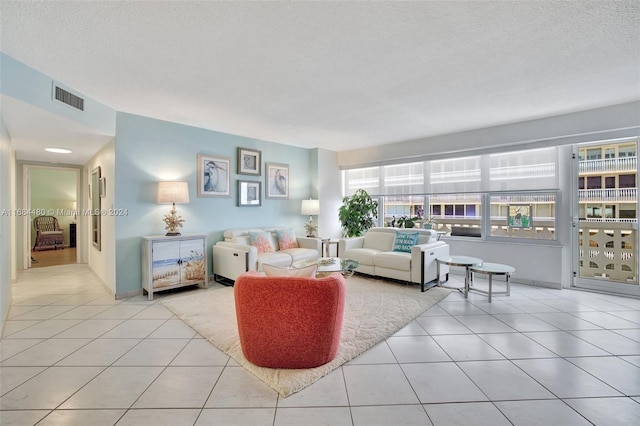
{"x": 609, "y": 251}
{"x": 609, "y": 165}
{"x": 611, "y": 194}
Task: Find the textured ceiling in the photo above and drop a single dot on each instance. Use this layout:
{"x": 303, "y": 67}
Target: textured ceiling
{"x": 337, "y": 75}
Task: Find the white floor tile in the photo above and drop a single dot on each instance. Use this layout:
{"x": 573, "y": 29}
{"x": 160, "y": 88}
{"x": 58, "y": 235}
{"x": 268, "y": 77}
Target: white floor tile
{"x": 464, "y": 414}
{"x": 190, "y": 388}
{"x": 537, "y": 413}
{"x": 156, "y": 417}
{"x": 467, "y": 347}
{"x": 516, "y": 346}
{"x": 153, "y": 352}
{"x": 609, "y": 341}
{"x": 115, "y": 387}
{"x": 238, "y": 388}
{"x": 48, "y": 389}
{"x": 502, "y": 380}
{"x": 328, "y": 391}
{"x": 46, "y": 353}
{"x": 565, "y": 344}
{"x": 335, "y": 416}
{"x": 617, "y": 373}
{"x": 607, "y": 411}
{"x": 564, "y": 379}
{"x": 442, "y": 382}
{"x": 200, "y": 352}
{"x": 99, "y": 352}
{"x": 416, "y": 349}
{"x": 235, "y": 416}
{"x": 377, "y": 384}
{"x": 384, "y": 415}
{"x": 82, "y": 417}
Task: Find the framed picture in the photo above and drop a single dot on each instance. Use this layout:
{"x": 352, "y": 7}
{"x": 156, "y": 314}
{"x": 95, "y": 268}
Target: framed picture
{"x": 277, "y": 181}
{"x": 249, "y": 161}
{"x": 103, "y": 187}
{"x": 213, "y": 176}
{"x": 520, "y": 216}
{"x": 249, "y": 193}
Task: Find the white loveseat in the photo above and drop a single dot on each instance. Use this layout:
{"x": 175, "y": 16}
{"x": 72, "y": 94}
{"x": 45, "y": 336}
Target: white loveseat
{"x": 375, "y": 252}
{"x": 236, "y": 255}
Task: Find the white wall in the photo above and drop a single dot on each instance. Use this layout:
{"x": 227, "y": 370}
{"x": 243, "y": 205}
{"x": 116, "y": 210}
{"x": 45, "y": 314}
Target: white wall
{"x": 329, "y": 193}
{"x": 598, "y": 124}
{"x": 102, "y": 262}
{"x": 5, "y": 223}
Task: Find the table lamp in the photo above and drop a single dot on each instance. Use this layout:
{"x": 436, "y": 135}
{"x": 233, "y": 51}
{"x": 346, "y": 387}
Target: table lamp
{"x": 311, "y": 208}
{"x": 172, "y": 193}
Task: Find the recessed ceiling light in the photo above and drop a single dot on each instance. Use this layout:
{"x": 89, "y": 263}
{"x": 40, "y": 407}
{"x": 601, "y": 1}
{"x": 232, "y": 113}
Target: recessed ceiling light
{"x": 58, "y": 150}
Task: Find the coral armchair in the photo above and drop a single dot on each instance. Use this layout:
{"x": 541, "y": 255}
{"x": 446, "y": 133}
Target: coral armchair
{"x": 289, "y": 322}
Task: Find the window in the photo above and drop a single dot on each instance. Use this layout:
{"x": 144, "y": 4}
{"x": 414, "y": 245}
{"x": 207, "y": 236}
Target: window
{"x": 627, "y": 181}
{"x": 452, "y": 190}
{"x": 542, "y": 215}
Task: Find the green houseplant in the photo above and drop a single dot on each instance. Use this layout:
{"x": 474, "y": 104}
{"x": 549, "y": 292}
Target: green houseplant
{"x": 356, "y": 213}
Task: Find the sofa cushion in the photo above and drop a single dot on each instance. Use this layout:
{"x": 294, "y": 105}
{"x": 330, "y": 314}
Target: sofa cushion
{"x": 298, "y": 254}
{"x": 286, "y": 239}
{"x": 363, "y": 255}
{"x": 393, "y": 260}
{"x": 404, "y": 241}
{"x": 379, "y": 240}
{"x": 304, "y": 271}
{"x": 262, "y": 241}
{"x": 273, "y": 258}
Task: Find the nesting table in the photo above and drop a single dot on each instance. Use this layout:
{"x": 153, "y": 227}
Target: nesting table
{"x": 492, "y": 269}
{"x": 474, "y": 265}
{"x": 464, "y": 261}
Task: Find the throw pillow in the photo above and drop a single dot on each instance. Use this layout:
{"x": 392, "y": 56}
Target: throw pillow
{"x": 404, "y": 241}
{"x": 286, "y": 239}
{"x": 275, "y": 271}
{"x": 260, "y": 240}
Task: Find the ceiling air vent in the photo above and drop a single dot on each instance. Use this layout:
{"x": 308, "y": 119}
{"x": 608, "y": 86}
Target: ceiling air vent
{"x": 69, "y": 98}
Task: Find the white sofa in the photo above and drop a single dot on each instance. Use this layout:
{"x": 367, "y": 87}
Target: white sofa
{"x": 375, "y": 253}
{"x": 236, "y": 255}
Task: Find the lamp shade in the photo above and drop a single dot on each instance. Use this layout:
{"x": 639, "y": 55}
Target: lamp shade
{"x": 173, "y": 192}
{"x": 310, "y": 207}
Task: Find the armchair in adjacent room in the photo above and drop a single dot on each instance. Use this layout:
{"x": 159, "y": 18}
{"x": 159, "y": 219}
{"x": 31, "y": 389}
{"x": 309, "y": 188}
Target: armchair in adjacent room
{"x": 48, "y": 233}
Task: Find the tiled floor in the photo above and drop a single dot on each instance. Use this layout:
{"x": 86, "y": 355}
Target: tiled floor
{"x": 71, "y": 355}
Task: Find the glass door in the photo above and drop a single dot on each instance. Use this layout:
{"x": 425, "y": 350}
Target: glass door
{"x": 606, "y": 224}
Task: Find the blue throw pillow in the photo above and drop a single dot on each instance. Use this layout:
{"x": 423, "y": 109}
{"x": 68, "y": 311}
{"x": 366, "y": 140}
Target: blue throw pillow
{"x": 404, "y": 241}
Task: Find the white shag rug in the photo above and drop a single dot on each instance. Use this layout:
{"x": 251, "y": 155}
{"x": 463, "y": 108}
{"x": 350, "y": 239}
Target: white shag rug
{"x": 374, "y": 310}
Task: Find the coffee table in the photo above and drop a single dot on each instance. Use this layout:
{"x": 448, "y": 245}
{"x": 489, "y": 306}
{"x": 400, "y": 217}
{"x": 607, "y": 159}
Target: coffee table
{"x": 492, "y": 269}
{"x": 463, "y": 261}
{"x": 327, "y": 265}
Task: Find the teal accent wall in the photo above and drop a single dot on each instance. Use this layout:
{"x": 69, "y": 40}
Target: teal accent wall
{"x": 149, "y": 150}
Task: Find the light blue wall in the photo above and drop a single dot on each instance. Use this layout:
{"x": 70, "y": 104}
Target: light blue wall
{"x": 149, "y": 150}
{"x": 32, "y": 87}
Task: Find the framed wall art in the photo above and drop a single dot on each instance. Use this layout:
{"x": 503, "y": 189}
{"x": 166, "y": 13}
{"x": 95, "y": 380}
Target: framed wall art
{"x": 249, "y": 193}
{"x": 249, "y": 161}
{"x": 213, "y": 176}
{"x": 520, "y": 216}
{"x": 277, "y": 176}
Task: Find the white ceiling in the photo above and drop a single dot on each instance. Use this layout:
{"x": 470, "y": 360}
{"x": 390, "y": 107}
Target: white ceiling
{"x": 337, "y": 75}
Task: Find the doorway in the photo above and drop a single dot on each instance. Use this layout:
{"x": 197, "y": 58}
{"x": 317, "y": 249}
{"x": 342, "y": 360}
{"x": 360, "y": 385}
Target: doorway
{"x": 51, "y": 191}
{"x": 606, "y": 224}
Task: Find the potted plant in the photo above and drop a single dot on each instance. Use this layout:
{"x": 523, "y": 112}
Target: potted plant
{"x": 407, "y": 222}
{"x": 356, "y": 213}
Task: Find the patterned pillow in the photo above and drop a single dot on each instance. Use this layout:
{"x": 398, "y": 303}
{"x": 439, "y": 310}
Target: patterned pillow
{"x": 261, "y": 241}
{"x": 404, "y": 241}
{"x": 275, "y": 271}
{"x": 286, "y": 239}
